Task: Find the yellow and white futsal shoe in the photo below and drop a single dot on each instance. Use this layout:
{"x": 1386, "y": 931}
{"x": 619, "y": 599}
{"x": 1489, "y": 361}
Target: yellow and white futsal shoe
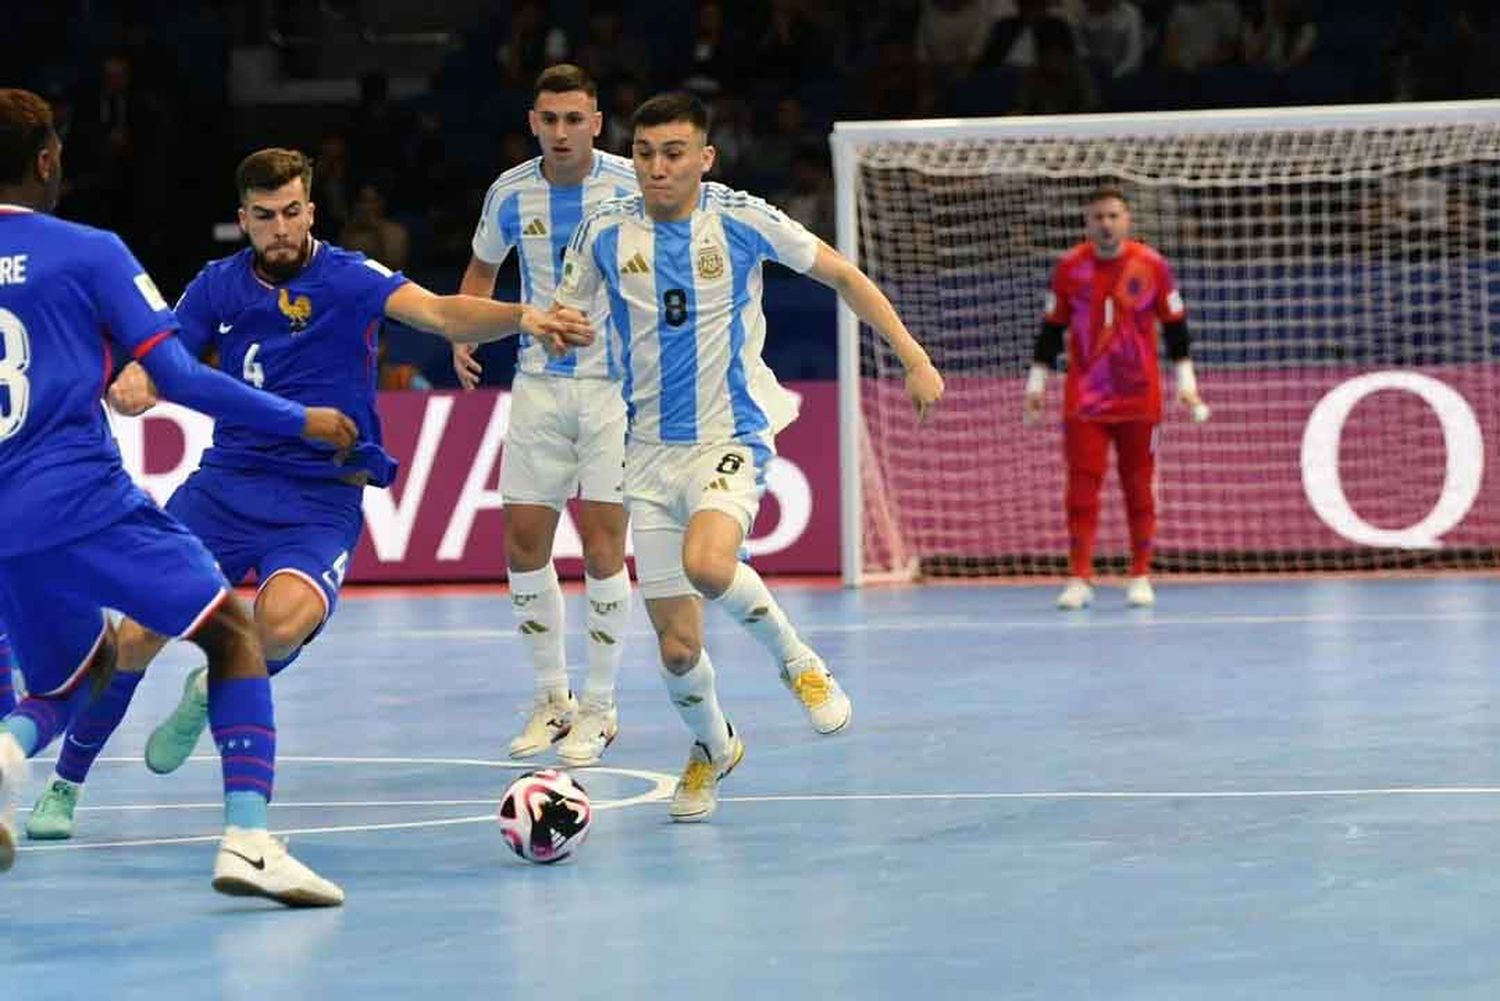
{"x": 697, "y": 794}
{"x": 828, "y": 708}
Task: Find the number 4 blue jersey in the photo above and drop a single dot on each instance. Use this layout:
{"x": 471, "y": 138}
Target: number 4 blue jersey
{"x": 67, "y": 292}
{"x": 311, "y": 340}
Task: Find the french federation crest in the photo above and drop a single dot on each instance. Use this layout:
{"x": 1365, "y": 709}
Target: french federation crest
{"x": 710, "y": 262}
{"x": 298, "y": 310}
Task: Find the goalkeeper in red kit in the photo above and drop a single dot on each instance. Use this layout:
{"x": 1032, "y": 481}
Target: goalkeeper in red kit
{"x": 1111, "y": 295}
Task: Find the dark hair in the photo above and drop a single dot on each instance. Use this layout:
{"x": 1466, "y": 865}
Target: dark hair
{"x": 1107, "y": 191}
{"x": 269, "y": 169}
{"x": 25, "y": 128}
{"x": 564, "y": 78}
{"x": 676, "y": 106}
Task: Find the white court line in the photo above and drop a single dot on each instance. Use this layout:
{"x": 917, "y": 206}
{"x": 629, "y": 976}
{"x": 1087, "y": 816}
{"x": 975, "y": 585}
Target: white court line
{"x": 1130, "y": 620}
{"x": 661, "y": 788}
{"x": 1126, "y": 794}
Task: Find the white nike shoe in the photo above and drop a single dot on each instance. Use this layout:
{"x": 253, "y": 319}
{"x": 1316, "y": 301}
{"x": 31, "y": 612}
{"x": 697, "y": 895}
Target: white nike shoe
{"x": 1077, "y": 594}
{"x": 1140, "y": 593}
{"x": 14, "y": 769}
{"x": 251, "y": 863}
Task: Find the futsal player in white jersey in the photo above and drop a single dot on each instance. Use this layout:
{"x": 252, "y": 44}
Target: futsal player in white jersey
{"x": 567, "y": 420}
{"x": 681, "y": 265}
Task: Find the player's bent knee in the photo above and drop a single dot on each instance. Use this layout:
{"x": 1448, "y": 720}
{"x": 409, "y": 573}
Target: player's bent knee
{"x": 229, "y": 640}
{"x": 136, "y": 646}
{"x": 678, "y": 653}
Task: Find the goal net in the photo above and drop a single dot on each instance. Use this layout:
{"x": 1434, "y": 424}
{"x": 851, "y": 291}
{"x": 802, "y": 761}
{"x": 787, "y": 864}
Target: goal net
{"x": 1341, "y": 270}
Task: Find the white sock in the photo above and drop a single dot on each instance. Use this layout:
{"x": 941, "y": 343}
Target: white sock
{"x": 749, "y": 601}
{"x": 608, "y": 614}
{"x": 537, "y": 600}
{"x": 698, "y": 704}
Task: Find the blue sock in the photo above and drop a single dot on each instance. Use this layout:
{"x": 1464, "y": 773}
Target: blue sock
{"x": 243, "y": 723}
{"x": 23, "y": 728}
{"x": 93, "y": 723}
{"x": 7, "y": 686}
{"x": 36, "y": 721}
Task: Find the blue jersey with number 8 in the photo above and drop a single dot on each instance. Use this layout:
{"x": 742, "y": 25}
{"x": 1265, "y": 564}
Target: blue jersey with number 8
{"x": 70, "y": 296}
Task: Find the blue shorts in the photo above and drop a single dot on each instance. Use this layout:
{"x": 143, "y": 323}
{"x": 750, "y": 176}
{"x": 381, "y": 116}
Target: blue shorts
{"x": 273, "y": 524}
{"x": 145, "y": 565}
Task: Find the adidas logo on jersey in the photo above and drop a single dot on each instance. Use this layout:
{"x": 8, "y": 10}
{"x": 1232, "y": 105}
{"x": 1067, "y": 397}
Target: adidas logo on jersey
{"x": 636, "y": 266}
{"x": 536, "y": 227}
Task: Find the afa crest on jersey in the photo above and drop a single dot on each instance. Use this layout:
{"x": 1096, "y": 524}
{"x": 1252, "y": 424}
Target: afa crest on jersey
{"x": 298, "y": 310}
{"x": 710, "y": 262}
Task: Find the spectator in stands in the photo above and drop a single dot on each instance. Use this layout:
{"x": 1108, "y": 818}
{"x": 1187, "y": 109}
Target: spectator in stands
{"x": 374, "y": 234}
{"x": 330, "y": 191}
{"x": 1058, "y": 83}
{"x": 608, "y": 51}
{"x": 808, "y": 195}
{"x": 792, "y": 47}
{"x": 1202, "y": 33}
{"x": 951, "y": 36}
{"x": 1012, "y": 40}
{"x": 397, "y": 375}
{"x": 625, "y": 95}
{"x": 531, "y": 45}
{"x": 1283, "y": 37}
{"x": 710, "y": 61}
{"x": 774, "y": 153}
{"x": 1111, "y": 38}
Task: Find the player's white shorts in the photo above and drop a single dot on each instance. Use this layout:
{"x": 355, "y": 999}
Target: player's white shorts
{"x": 566, "y": 439}
{"x": 665, "y": 485}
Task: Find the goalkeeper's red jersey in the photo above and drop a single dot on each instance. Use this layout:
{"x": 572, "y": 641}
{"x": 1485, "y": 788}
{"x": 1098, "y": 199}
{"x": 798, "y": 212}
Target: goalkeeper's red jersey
{"x": 1113, "y": 309}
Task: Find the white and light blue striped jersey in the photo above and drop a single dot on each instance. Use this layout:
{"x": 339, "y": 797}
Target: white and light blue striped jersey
{"x": 685, "y": 311}
{"x": 526, "y": 212}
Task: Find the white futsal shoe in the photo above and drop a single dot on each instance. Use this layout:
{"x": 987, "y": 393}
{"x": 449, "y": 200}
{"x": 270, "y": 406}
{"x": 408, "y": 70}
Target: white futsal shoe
{"x": 808, "y": 678}
{"x": 1140, "y": 593}
{"x": 13, "y": 773}
{"x": 550, "y": 720}
{"x": 251, "y": 863}
{"x": 1077, "y": 594}
{"x": 594, "y": 728}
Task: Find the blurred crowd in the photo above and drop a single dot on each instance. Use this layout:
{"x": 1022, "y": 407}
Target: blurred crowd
{"x": 153, "y": 101}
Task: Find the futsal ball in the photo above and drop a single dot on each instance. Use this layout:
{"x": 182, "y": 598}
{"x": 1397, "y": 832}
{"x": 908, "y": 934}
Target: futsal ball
{"x": 545, "y": 816}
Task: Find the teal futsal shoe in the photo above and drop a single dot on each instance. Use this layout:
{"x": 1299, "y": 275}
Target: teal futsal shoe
{"x": 52, "y": 817}
{"x": 173, "y": 741}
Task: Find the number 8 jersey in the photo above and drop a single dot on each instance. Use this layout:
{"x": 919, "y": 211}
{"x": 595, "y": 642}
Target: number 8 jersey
{"x": 685, "y": 311}
{"x": 67, "y": 293}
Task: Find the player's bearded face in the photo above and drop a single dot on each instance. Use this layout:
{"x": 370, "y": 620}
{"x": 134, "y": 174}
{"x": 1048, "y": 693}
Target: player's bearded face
{"x": 670, "y": 161}
{"x": 279, "y": 225}
{"x": 1108, "y": 223}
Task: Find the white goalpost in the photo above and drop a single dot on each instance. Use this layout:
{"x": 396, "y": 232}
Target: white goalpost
{"x": 1341, "y": 268}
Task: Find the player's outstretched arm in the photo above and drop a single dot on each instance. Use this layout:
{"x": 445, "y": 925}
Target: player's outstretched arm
{"x": 468, "y": 319}
{"x": 478, "y": 280}
{"x": 924, "y": 384}
{"x": 184, "y": 380}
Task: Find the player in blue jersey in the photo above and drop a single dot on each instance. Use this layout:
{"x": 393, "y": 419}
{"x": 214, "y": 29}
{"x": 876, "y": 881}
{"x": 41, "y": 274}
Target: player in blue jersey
{"x": 567, "y": 422}
{"x": 681, "y": 266}
{"x": 80, "y": 536}
{"x": 296, "y": 317}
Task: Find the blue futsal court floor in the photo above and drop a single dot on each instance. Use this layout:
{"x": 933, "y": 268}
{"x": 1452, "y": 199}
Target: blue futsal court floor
{"x": 1280, "y": 789}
